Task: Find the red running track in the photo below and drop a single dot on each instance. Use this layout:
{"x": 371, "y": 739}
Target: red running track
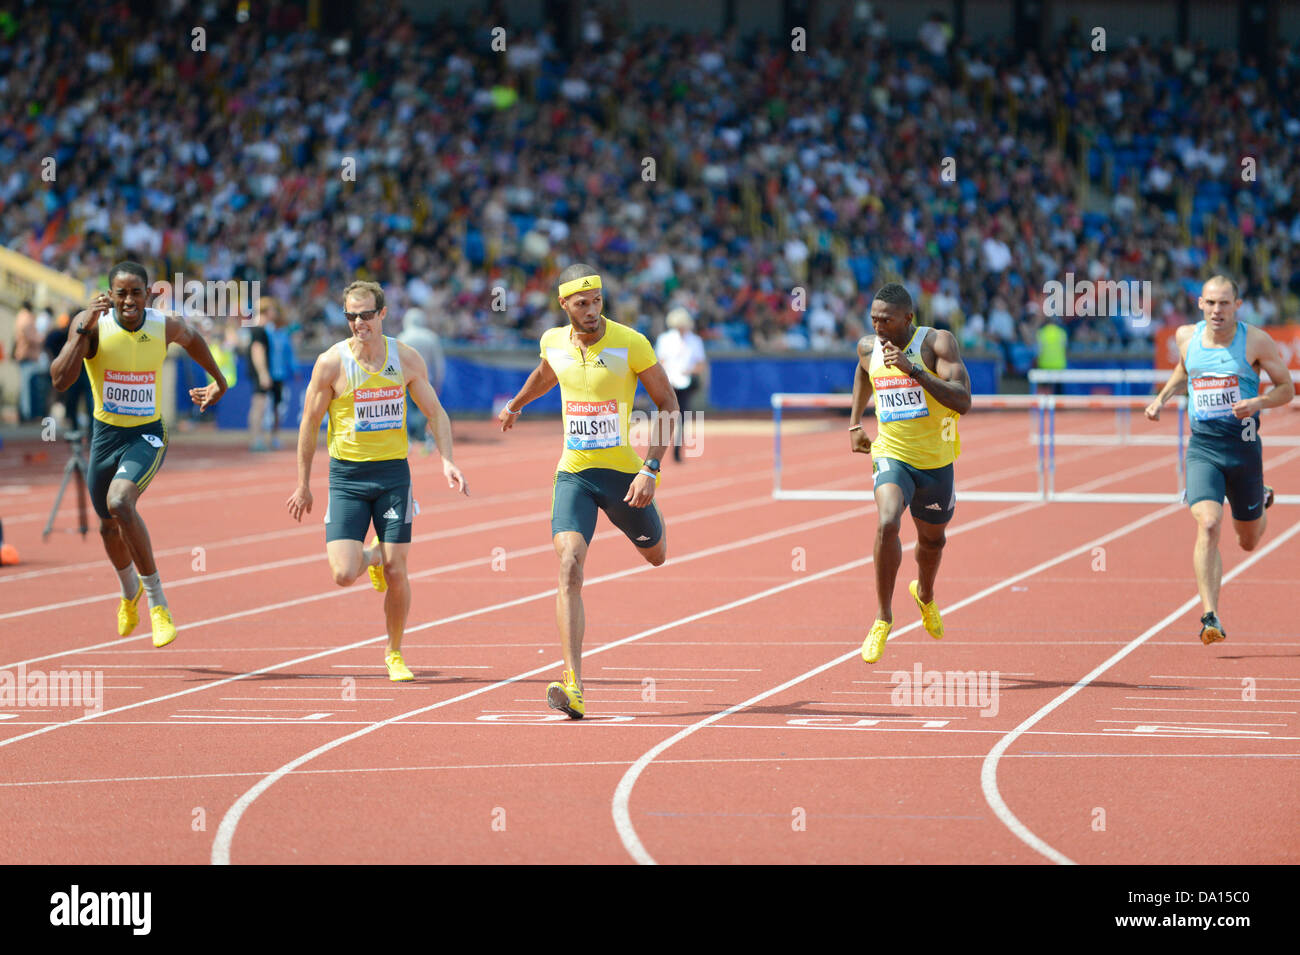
{"x": 731, "y": 719}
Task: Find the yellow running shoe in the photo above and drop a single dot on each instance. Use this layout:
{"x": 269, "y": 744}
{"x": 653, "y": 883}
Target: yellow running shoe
{"x": 377, "y": 580}
{"x": 929, "y": 612}
{"x": 128, "y": 613}
{"x": 874, "y": 645}
{"x": 566, "y": 697}
{"x": 164, "y": 632}
{"x": 398, "y": 671}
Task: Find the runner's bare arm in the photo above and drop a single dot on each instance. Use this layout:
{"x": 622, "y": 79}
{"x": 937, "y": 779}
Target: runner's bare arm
{"x": 1261, "y": 345}
{"x": 948, "y": 383}
{"x": 196, "y": 347}
{"x": 66, "y": 367}
{"x": 320, "y": 391}
{"x": 539, "y": 383}
{"x": 667, "y": 412}
{"x": 1177, "y": 382}
{"x": 858, "y": 439}
{"x": 416, "y": 375}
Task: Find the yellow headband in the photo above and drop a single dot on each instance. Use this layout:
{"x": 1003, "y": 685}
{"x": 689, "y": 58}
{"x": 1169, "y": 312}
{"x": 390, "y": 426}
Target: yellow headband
{"x": 579, "y": 285}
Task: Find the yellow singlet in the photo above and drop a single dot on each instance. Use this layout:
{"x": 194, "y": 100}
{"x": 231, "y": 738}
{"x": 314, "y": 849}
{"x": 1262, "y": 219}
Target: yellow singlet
{"x": 597, "y": 392}
{"x": 911, "y": 423}
{"x": 368, "y": 421}
{"x": 126, "y": 372}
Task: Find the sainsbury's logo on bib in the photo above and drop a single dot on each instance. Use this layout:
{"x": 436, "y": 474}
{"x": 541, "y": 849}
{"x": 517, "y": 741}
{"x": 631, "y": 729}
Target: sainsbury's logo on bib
{"x": 379, "y": 409}
{"x": 899, "y": 398}
{"x": 130, "y": 393}
{"x": 592, "y": 424}
{"x": 1214, "y": 396}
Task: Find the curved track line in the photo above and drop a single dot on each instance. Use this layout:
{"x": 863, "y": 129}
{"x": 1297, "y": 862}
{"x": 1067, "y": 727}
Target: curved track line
{"x": 989, "y": 771}
{"x": 623, "y": 792}
{"x": 455, "y": 618}
{"x": 226, "y": 831}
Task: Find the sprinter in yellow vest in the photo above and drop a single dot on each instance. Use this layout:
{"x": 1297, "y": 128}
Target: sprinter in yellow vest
{"x": 921, "y": 388}
{"x": 597, "y": 364}
{"x": 123, "y": 346}
{"x": 362, "y": 382}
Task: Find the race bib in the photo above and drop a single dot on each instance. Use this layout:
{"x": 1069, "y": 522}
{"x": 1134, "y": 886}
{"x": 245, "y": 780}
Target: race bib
{"x": 899, "y": 398}
{"x": 591, "y": 425}
{"x": 379, "y": 409}
{"x": 130, "y": 393}
{"x": 1213, "y": 397}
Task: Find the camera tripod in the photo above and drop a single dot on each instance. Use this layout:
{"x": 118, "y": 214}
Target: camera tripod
{"x": 75, "y": 466}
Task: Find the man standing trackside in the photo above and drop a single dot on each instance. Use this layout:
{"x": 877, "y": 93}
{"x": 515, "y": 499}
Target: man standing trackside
{"x": 362, "y": 383}
{"x": 1220, "y": 365}
{"x": 123, "y": 346}
{"x": 597, "y": 364}
{"x": 681, "y": 352}
{"x": 921, "y": 388}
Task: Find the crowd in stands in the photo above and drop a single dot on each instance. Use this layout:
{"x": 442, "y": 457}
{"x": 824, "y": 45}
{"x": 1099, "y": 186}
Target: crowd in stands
{"x": 768, "y": 191}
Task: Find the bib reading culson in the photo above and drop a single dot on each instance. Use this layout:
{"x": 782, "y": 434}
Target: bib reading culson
{"x": 592, "y": 424}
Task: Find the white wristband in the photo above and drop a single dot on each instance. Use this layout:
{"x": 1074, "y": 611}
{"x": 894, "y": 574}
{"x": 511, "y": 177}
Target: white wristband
{"x": 649, "y": 474}
{"x": 856, "y": 427}
{"x": 511, "y": 411}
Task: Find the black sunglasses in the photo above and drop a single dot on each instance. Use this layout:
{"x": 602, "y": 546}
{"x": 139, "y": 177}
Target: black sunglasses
{"x": 365, "y": 316}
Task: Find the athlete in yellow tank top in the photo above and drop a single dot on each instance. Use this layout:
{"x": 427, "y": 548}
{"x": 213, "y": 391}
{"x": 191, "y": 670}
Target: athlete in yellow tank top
{"x": 123, "y": 346}
{"x": 921, "y": 388}
{"x": 362, "y": 384}
{"x": 597, "y": 364}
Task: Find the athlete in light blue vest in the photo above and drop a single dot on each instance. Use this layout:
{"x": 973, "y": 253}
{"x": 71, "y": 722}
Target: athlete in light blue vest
{"x": 1221, "y": 361}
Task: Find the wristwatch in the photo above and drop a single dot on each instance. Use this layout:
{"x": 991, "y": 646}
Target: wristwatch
{"x": 652, "y": 464}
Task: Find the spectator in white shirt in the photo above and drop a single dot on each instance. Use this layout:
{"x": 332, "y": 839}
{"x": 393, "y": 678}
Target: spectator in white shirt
{"x": 681, "y": 352}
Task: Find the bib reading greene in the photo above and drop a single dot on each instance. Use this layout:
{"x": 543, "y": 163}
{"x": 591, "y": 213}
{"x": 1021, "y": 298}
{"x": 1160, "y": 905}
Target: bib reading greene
{"x": 1217, "y": 378}
{"x": 126, "y": 372}
{"x": 911, "y": 423}
{"x": 596, "y": 391}
{"x": 368, "y": 421}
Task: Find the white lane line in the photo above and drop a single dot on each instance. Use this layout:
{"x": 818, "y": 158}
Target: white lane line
{"x": 690, "y": 669}
{"x": 1191, "y": 709}
{"x": 989, "y": 771}
{"x": 313, "y": 527}
{"x": 623, "y": 792}
{"x": 1146, "y": 720}
{"x": 546, "y": 548}
{"x": 230, "y": 821}
{"x": 1236, "y": 679}
{"x": 360, "y": 588}
{"x": 577, "y": 764}
{"x": 479, "y": 611}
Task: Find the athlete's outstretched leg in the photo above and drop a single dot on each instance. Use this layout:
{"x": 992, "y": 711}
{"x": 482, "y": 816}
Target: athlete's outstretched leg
{"x": 930, "y": 539}
{"x": 1206, "y": 559}
{"x": 570, "y": 617}
{"x": 889, "y": 549}
{"x": 397, "y": 599}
